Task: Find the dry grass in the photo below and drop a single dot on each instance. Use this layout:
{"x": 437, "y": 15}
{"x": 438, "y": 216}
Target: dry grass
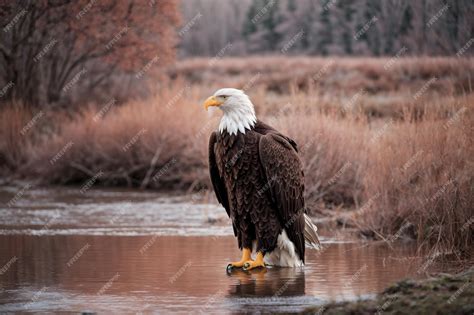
{"x": 337, "y": 76}
{"x": 386, "y": 85}
{"x": 141, "y": 144}
{"x": 404, "y": 178}
{"x": 406, "y": 171}
{"x": 418, "y": 180}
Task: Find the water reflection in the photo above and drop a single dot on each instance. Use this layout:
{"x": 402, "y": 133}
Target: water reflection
{"x": 271, "y": 282}
{"x": 180, "y": 274}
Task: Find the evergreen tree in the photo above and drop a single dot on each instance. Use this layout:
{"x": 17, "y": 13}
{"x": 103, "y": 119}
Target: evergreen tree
{"x": 291, "y": 6}
{"x": 307, "y": 22}
{"x": 249, "y": 27}
{"x": 290, "y": 23}
{"x": 270, "y": 21}
{"x": 372, "y": 35}
{"x": 325, "y": 31}
{"x": 345, "y": 13}
{"x": 406, "y": 25}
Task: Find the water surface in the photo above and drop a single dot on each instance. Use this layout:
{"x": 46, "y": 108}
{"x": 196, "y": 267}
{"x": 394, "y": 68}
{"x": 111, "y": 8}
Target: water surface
{"x": 128, "y": 252}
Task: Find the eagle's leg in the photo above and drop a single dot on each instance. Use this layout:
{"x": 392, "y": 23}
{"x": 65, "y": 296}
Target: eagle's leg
{"x": 258, "y": 262}
{"x": 245, "y": 258}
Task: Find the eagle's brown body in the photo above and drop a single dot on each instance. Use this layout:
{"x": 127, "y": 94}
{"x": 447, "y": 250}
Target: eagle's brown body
{"x": 258, "y": 178}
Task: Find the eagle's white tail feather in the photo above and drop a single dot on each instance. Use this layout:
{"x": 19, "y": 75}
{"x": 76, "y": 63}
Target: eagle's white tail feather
{"x": 311, "y": 233}
{"x": 284, "y": 255}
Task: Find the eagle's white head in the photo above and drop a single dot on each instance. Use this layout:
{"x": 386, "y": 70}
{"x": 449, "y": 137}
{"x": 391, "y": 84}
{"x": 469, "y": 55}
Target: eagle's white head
{"x": 239, "y": 113}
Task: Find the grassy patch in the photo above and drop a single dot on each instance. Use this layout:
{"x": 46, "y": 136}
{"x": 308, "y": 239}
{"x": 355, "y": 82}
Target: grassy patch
{"x": 446, "y": 294}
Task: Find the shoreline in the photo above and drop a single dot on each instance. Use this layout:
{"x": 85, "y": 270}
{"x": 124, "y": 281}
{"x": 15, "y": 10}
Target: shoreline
{"x": 442, "y": 294}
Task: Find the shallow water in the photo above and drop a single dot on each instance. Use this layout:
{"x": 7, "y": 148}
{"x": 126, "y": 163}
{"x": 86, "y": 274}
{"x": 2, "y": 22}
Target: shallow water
{"x": 129, "y": 252}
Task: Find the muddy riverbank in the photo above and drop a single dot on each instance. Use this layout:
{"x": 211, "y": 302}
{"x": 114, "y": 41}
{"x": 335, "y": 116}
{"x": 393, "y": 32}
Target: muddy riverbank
{"x": 443, "y": 294}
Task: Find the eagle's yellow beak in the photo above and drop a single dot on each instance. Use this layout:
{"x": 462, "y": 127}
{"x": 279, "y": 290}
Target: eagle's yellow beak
{"x": 212, "y": 101}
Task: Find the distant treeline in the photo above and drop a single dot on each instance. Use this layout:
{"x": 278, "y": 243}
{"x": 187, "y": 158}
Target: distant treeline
{"x": 327, "y": 27}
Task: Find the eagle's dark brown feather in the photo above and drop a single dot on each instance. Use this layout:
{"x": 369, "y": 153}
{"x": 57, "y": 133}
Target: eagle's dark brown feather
{"x": 217, "y": 181}
{"x": 283, "y": 168}
{"x": 258, "y": 178}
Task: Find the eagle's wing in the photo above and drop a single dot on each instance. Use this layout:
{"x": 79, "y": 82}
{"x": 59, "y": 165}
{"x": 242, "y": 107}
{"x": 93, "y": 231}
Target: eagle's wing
{"x": 216, "y": 179}
{"x": 285, "y": 179}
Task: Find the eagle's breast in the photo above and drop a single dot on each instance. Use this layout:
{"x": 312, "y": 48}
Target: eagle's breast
{"x": 238, "y": 161}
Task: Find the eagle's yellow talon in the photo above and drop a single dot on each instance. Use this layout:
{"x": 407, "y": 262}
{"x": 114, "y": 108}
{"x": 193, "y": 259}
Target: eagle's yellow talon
{"x": 236, "y": 264}
{"x": 245, "y": 258}
{"x": 249, "y": 265}
{"x": 258, "y": 262}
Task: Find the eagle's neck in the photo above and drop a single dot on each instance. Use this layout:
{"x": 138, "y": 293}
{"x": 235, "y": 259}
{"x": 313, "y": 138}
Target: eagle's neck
{"x": 238, "y": 119}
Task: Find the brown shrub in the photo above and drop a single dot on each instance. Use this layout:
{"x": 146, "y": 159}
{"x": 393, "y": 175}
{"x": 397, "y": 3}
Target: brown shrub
{"x": 418, "y": 180}
{"x": 153, "y": 143}
{"x": 14, "y": 143}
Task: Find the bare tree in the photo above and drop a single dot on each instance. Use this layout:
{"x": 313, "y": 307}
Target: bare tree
{"x": 49, "y": 49}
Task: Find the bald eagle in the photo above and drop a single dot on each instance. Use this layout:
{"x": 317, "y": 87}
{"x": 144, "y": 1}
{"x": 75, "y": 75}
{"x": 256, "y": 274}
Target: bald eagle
{"x": 258, "y": 178}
